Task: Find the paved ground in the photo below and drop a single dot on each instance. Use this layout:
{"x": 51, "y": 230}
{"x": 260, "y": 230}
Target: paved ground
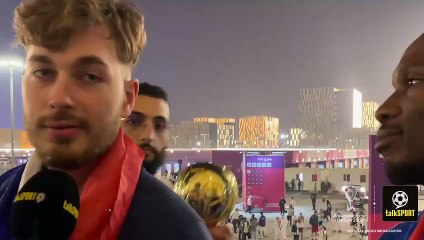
{"x": 303, "y": 205}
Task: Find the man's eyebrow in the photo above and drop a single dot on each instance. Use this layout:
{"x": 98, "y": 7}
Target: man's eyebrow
{"x": 160, "y": 118}
{"x": 86, "y": 60}
{"x": 90, "y": 60}
{"x": 40, "y": 59}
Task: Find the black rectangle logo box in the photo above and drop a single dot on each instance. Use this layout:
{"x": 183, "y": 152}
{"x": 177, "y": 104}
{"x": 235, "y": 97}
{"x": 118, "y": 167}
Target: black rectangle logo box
{"x": 400, "y": 203}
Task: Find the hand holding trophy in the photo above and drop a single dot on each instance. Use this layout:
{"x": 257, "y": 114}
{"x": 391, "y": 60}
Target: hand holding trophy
{"x": 209, "y": 189}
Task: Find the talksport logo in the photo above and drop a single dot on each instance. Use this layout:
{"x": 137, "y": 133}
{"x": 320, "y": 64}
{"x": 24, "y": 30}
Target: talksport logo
{"x": 400, "y": 203}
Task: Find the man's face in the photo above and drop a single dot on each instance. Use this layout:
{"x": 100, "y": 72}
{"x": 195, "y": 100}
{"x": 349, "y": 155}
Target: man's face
{"x": 73, "y": 99}
{"x": 400, "y": 138}
{"x": 148, "y": 127}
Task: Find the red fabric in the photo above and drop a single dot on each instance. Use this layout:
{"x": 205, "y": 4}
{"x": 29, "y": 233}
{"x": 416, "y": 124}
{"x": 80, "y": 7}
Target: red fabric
{"x": 418, "y": 233}
{"x": 314, "y": 228}
{"x": 108, "y": 192}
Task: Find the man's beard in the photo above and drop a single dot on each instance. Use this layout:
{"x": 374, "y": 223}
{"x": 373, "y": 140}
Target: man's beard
{"x": 62, "y": 157}
{"x": 405, "y": 173}
{"x": 154, "y": 164}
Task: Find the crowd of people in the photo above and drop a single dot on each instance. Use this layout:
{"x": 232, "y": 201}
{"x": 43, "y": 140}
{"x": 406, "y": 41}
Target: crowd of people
{"x": 292, "y": 224}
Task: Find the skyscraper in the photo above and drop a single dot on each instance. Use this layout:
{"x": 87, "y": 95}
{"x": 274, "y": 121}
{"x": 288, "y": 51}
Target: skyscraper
{"x": 259, "y": 132}
{"x": 194, "y": 135}
{"x": 368, "y": 116}
{"x": 225, "y": 130}
{"x": 329, "y": 117}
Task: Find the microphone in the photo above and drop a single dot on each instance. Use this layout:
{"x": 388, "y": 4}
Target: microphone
{"x": 47, "y": 207}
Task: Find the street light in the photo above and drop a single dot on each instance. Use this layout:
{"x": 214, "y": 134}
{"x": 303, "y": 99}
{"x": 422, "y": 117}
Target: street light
{"x": 11, "y": 64}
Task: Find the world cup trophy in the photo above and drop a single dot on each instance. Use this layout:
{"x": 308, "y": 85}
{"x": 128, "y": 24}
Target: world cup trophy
{"x": 210, "y": 190}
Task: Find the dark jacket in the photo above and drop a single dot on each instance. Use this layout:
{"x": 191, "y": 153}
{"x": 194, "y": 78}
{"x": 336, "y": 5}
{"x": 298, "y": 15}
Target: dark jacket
{"x": 282, "y": 202}
{"x": 156, "y": 212}
{"x": 313, "y": 220}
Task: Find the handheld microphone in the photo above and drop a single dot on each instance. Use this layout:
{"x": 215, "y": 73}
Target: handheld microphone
{"x": 47, "y": 207}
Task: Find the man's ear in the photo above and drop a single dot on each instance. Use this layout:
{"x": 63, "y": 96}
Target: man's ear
{"x": 130, "y": 94}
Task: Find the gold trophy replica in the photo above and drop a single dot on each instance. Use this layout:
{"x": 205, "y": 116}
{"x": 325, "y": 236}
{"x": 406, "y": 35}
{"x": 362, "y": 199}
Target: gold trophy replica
{"x": 209, "y": 189}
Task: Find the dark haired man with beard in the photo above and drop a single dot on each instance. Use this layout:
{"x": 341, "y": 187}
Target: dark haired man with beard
{"x": 401, "y": 137}
{"x": 147, "y": 126}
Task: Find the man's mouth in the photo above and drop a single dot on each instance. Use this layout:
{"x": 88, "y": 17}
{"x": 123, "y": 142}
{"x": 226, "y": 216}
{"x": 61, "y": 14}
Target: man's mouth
{"x": 63, "y": 129}
{"x": 62, "y": 124}
{"x": 385, "y": 137}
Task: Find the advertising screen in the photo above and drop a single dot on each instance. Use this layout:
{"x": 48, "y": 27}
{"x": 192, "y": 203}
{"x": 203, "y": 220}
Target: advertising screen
{"x": 263, "y": 179}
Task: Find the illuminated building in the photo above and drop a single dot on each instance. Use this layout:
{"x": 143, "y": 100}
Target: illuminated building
{"x": 259, "y": 132}
{"x": 225, "y": 130}
{"x": 368, "y": 116}
{"x": 216, "y": 120}
{"x": 194, "y": 135}
{"x": 331, "y": 117}
{"x": 296, "y": 135}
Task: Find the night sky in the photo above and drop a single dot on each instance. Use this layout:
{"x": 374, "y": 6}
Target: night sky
{"x": 246, "y": 57}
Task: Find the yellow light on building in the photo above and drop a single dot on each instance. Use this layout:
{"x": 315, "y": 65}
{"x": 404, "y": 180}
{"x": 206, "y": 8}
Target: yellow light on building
{"x": 368, "y": 116}
{"x": 225, "y": 130}
{"x": 259, "y": 132}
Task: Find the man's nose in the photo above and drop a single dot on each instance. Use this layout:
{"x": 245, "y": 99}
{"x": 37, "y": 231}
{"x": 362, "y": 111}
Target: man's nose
{"x": 147, "y": 134}
{"x": 60, "y": 95}
{"x": 389, "y": 109}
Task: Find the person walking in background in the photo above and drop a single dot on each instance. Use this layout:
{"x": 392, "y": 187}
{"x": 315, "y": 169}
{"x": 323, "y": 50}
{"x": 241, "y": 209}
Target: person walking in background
{"x": 329, "y": 208}
{"x": 283, "y": 229}
{"x": 241, "y": 227}
{"x": 301, "y": 224}
{"x": 290, "y": 214}
{"x": 292, "y": 184}
{"x": 249, "y": 204}
{"x": 293, "y": 202}
{"x": 322, "y": 235}
{"x": 295, "y": 230}
{"x": 321, "y": 217}
{"x": 277, "y": 228}
{"x": 262, "y": 225}
{"x": 313, "y": 200}
{"x": 253, "y": 227}
{"x": 234, "y": 219}
{"x": 299, "y": 184}
{"x": 246, "y": 229}
{"x": 282, "y": 205}
{"x": 313, "y": 221}
{"x": 323, "y": 204}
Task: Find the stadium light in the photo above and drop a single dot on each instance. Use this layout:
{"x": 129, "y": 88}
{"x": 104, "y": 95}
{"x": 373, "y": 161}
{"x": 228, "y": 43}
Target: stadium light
{"x": 11, "y": 63}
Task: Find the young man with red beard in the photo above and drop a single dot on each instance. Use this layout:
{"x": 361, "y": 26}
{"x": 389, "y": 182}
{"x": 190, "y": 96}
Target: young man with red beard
{"x": 76, "y": 88}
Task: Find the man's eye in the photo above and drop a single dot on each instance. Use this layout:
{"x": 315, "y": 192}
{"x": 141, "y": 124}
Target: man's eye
{"x": 43, "y": 73}
{"x": 161, "y": 126}
{"x": 414, "y": 81}
{"x": 135, "y": 120}
{"x": 91, "y": 78}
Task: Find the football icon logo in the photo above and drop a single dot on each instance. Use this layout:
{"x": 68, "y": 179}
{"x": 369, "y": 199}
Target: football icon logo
{"x": 400, "y": 199}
